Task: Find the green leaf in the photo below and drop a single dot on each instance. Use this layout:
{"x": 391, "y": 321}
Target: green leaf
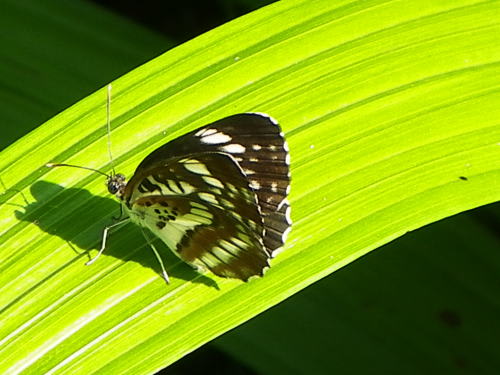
{"x": 427, "y": 303}
{"x": 391, "y": 112}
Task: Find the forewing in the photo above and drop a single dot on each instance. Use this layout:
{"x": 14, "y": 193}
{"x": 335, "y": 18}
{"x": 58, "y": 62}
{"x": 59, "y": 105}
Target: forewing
{"x": 256, "y": 142}
{"x": 204, "y": 210}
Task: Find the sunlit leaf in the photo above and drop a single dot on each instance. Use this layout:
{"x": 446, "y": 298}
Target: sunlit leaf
{"x": 391, "y": 110}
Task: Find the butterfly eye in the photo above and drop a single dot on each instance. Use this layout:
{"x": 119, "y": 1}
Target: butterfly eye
{"x": 116, "y": 183}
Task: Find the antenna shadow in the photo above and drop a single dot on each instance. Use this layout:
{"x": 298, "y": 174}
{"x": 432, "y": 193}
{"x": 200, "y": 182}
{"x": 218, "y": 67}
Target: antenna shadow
{"x": 75, "y": 215}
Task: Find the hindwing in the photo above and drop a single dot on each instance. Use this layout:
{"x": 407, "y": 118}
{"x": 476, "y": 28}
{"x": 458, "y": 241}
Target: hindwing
{"x": 202, "y": 207}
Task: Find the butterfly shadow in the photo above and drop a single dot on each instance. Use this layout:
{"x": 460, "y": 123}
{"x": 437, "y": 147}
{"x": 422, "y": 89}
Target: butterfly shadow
{"x": 74, "y": 215}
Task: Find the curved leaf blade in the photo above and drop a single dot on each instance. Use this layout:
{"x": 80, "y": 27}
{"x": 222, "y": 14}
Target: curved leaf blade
{"x": 378, "y": 147}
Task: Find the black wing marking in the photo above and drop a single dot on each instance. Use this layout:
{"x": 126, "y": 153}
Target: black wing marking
{"x": 257, "y": 144}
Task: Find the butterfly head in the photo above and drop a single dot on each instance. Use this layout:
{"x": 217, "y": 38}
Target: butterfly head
{"x": 116, "y": 184}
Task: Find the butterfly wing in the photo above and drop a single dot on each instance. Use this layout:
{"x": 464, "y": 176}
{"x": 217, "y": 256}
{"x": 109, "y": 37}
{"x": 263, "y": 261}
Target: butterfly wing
{"x": 202, "y": 207}
{"x": 256, "y": 142}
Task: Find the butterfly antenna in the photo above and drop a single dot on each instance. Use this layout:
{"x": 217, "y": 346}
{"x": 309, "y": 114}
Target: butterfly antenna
{"x": 54, "y": 165}
{"x": 108, "y": 122}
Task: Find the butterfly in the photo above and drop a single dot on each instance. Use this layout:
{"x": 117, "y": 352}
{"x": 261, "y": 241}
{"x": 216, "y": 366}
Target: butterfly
{"x": 216, "y": 196}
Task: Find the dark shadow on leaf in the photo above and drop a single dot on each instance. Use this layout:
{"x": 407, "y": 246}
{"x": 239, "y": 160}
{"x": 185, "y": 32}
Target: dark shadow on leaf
{"x": 78, "y": 217}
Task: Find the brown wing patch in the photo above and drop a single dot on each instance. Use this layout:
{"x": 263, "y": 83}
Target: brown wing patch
{"x": 228, "y": 248}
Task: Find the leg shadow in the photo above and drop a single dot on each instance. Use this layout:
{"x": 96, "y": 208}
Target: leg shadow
{"x": 75, "y": 215}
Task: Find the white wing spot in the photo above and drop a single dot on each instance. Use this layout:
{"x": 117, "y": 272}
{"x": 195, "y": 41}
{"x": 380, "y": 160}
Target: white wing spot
{"x": 201, "y": 213}
{"x": 236, "y": 215}
{"x": 285, "y": 234}
{"x": 195, "y": 166}
{"x": 242, "y": 236}
{"x": 285, "y": 145}
{"x": 274, "y": 187}
{"x": 229, "y": 247}
{"x": 215, "y": 138}
{"x": 254, "y": 184}
{"x": 256, "y": 147}
{"x": 232, "y": 187}
{"x": 192, "y": 220}
{"x": 234, "y": 148}
{"x": 241, "y": 244}
{"x": 188, "y": 189}
{"x": 216, "y": 191}
{"x": 284, "y": 201}
{"x": 287, "y": 159}
{"x": 197, "y": 205}
{"x": 227, "y": 203}
{"x": 172, "y": 187}
{"x": 207, "y": 197}
{"x": 288, "y": 215}
{"x": 248, "y": 171}
{"x": 213, "y": 181}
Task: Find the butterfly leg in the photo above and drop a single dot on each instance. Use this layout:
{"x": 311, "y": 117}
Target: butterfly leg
{"x": 119, "y": 217}
{"x": 5, "y": 190}
{"x": 157, "y": 254}
{"x": 104, "y": 237}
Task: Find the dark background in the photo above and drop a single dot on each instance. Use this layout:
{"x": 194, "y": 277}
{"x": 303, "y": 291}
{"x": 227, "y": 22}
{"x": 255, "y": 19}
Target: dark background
{"x": 182, "y": 20}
